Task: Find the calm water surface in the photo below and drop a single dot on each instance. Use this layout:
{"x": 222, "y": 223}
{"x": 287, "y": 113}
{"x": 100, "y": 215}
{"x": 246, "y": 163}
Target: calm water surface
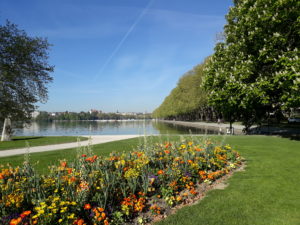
{"x": 75, "y": 128}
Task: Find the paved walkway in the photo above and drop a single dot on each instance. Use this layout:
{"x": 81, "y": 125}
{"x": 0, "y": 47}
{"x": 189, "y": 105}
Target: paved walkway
{"x": 238, "y": 129}
{"x": 97, "y": 139}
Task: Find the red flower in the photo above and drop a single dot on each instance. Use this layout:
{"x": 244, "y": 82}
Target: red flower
{"x": 87, "y": 206}
{"x": 25, "y": 213}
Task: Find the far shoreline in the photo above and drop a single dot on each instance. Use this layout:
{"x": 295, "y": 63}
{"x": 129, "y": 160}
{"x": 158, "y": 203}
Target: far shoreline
{"x": 222, "y": 128}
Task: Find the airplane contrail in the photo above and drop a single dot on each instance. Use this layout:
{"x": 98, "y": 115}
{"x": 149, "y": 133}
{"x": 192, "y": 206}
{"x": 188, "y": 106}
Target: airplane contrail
{"x": 124, "y": 39}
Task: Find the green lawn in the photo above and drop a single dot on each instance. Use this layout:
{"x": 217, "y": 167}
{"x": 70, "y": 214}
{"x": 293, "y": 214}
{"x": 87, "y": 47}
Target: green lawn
{"x": 20, "y": 142}
{"x": 45, "y": 159}
{"x": 266, "y": 193}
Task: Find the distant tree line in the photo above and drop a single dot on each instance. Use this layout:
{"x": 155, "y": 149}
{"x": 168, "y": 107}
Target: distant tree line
{"x": 46, "y": 116}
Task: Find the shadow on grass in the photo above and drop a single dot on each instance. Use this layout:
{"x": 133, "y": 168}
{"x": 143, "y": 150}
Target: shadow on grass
{"x": 25, "y": 138}
{"x": 294, "y": 137}
{"x": 290, "y": 132}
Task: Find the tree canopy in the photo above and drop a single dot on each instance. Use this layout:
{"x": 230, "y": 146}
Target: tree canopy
{"x": 186, "y": 99}
{"x": 256, "y": 69}
{"x": 24, "y": 72}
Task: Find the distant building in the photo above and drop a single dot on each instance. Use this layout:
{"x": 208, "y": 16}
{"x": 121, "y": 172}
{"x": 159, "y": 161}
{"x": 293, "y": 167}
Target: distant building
{"x": 94, "y": 111}
{"x": 35, "y": 114}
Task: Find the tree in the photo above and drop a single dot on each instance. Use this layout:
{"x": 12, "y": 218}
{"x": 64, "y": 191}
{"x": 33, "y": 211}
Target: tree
{"x": 24, "y": 74}
{"x": 186, "y": 101}
{"x": 256, "y": 69}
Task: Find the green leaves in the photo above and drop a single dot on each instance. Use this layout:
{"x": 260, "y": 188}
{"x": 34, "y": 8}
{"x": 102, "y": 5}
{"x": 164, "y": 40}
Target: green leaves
{"x": 24, "y": 72}
{"x": 186, "y": 97}
{"x": 257, "y": 68}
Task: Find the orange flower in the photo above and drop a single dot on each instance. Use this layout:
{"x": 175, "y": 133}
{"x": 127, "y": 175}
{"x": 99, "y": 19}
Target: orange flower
{"x": 87, "y": 206}
{"x": 168, "y": 145}
{"x": 79, "y": 222}
{"x": 178, "y": 198}
{"x": 25, "y": 213}
{"x": 167, "y": 151}
{"x": 83, "y": 155}
{"x": 15, "y": 221}
{"x": 63, "y": 163}
{"x": 106, "y": 222}
{"x": 69, "y": 170}
{"x": 190, "y": 161}
{"x": 193, "y": 192}
{"x": 101, "y": 209}
{"x": 1, "y": 176}
{"x": 160, "y": 172}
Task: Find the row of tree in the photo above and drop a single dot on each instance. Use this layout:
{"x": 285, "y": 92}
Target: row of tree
{"x": 45, "y": 116}
{"x": 187, "y": 101}
{"x": 254, "y": 71}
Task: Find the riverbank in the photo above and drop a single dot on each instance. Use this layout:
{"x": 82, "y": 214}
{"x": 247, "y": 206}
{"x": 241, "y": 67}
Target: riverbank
{"x": 221, "y": 128}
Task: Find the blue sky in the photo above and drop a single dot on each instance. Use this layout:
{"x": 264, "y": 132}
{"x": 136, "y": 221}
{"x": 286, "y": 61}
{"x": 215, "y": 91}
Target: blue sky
{"x": 124, "y": 55}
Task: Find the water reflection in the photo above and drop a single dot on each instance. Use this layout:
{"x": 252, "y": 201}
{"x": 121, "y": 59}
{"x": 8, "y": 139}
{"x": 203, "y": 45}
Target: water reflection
{"x": 170, "y": 128}
{"x": 74, "y": 128}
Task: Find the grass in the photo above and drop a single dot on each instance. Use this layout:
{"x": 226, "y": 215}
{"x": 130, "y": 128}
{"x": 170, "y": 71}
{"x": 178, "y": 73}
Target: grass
{"x": 20, "y": 142}
{"x": 266, "y": 193}
{"x": 46, "y": 159}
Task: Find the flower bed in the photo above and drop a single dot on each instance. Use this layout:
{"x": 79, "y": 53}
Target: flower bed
{"x": 124, "y": 188}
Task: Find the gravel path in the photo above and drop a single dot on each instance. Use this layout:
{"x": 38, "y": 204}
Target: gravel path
{"x": 97, "y": 139}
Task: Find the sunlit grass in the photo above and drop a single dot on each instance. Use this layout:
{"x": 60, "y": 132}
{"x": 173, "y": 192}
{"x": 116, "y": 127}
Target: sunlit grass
{"x": 21, "y": 142}
{"x": 267, "y": 192}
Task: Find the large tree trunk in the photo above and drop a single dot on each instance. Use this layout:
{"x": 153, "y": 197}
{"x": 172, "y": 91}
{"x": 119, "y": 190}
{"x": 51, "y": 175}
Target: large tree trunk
{"x": 7, "y": 130}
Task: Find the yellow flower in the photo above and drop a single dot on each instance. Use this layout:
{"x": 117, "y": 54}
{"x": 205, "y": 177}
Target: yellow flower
{"x": 71, "y": 216}
{"x": 60, "y": 220}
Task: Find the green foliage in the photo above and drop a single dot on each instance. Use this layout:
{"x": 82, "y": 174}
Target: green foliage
{"x": 186, "y": 98}
{"x": 45, "y": 116}
{"x": 256, "y": 69}
{"x": 24, "y": 72}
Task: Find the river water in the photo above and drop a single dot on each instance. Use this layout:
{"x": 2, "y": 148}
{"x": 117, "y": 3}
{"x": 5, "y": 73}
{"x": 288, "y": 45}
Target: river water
{"x": 76, "y": 128}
